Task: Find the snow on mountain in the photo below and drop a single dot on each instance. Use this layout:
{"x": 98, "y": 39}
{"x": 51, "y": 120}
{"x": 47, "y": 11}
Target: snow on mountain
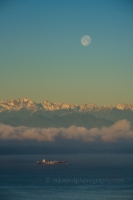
{"x": 17, "y": 104}
{"x": 58, "y": 106}
{"x": 94, "y": 108}
{"x": 124, "y": 106}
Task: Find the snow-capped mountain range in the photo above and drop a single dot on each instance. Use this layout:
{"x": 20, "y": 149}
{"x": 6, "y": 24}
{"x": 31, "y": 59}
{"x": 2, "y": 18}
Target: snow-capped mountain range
{"x": 25, "y": 103}
{"x": 25, "y": 112}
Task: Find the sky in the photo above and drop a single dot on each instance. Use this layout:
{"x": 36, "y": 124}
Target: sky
{"x": 42, "y": 58}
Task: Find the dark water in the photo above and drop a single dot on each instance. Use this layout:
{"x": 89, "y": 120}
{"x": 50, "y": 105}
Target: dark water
{"x": 86, "y": 176}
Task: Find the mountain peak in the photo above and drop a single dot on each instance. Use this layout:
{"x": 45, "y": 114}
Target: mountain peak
{"x": 17, "y": 104}
{"x": 124, "y": 106}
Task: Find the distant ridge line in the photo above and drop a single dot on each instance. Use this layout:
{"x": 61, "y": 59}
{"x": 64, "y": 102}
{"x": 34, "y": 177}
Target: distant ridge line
{"x": 26, "y": 103}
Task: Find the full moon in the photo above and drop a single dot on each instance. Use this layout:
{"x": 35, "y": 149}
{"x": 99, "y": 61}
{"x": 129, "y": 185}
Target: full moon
{"x": 86, "y": 40}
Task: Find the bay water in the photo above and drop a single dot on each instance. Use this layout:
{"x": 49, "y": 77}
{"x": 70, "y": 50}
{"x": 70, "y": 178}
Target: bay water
{"x": 86, "y": 176}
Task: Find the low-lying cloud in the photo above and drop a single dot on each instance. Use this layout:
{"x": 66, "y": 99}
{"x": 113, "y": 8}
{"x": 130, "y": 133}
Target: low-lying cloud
{"x": 119, "y": 130}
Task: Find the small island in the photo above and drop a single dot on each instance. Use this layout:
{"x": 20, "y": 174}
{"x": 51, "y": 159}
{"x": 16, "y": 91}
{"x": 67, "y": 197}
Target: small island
{"x": 44, "y": 162}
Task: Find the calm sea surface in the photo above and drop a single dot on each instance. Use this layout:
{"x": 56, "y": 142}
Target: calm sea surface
{"x": 86, "y": 176}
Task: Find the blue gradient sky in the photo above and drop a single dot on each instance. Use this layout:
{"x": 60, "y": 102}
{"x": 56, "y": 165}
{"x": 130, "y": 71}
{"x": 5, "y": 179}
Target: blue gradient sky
{"x": 41, "y": 56}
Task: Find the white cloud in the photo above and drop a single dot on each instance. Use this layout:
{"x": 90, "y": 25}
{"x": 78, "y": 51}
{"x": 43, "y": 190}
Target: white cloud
{"x": 120, "y": 130}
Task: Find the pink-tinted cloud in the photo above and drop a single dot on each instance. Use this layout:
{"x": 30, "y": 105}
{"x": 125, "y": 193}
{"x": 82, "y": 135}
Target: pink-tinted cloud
{"x": 120, "y": 130}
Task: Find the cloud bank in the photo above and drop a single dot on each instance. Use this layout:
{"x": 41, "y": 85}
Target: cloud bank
{"x": 120, "y": 130}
